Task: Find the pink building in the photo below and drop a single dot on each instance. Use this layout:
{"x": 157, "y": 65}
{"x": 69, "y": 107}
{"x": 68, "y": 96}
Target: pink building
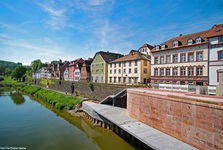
{"x": 71, "y": 68}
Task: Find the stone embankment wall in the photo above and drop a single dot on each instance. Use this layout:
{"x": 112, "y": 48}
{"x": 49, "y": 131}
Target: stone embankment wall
{"x": 196, "y": 122}
{"x": 99, "y": 91}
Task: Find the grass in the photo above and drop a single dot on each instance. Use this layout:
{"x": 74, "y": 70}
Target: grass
{"x": 60, "y": 101}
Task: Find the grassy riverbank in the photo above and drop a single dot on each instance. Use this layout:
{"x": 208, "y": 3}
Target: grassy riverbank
{"x": 60, "y": 101}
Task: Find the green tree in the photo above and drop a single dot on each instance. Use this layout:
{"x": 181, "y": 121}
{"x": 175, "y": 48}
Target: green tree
{"x": 8, "y": 71}
{"x": 36, "y": 65}
{"x": 2, "y": 70}
{"x": 18, "y": 72}
{"x": 54, "y": 62}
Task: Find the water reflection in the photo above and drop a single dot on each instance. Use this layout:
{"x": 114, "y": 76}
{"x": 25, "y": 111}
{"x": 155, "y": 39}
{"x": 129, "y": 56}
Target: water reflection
{"x": 17, "y": 98}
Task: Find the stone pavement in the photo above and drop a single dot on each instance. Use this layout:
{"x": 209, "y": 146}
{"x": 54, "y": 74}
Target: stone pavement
{"x": 146, "y": 134}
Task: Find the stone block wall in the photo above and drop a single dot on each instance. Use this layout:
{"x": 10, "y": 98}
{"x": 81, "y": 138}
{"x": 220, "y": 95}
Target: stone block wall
{"x": 99, "y": 92}
{"x": 193, "y": 119}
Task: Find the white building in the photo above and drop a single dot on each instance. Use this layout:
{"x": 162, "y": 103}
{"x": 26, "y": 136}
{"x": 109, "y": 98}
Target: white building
{"x": 65, "y": 75}
{"x": 215, "y": 44}
{"x": 77, "y": 71}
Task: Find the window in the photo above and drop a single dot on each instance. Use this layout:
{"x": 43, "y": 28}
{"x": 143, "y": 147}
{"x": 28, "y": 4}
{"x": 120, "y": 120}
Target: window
{"x": 136, "y": 63}
{"x": 190, "y": 83}
{"x": 130, "y": 70}
{"x": 175, "y": 58}
{"x": 199, "y": 71}
{"x": 167, "y": 82}
{"x": 163, "y": 46}
{"x": 110, "y": 71}
{"x": 124, "y": 80}
{"x": 115, "y": 71}
{"x": 199, "y": 56}
{"x": 156, "y": 72}
{"x": 145, "y": 71}
{"x": 157, "y": 47}
{"x": 182, "y": 72}
{"x": 190, "y": 42}
{"x": 198, "y": 40}
{"x": 161, "y": 81}
{"x": 130, "y": 63}
{"x": 155, "y": 81}
{"x": 135, "y": 70}
{"x": 174, "y": 71}
{"x": 162, "y": 59}
{"x": 161, "y": 72}
{"x": 110, "y": 79}
{"x": 102, "y": 79}
{"x": 191, "y": 57}
{"x": 110, "y": 65}
{"x": 182, "y": 57}
{"x": 119, "y": 79}
{"x": 168, "y": 59}
{"x": 119, "y": 64}
{"x": 175, "y": 43}
{"x": 156, "y": 60}
{"x": 190, "y": 71}
{"x": 145, "y": 63}
{"x": 168, "y": 72}
{"x": 124, "y": 71}
{"x": 221, "y": 39}
{"x": 119, "y": 71}
{"x": 124, "y": 64}
{"x": 220, "y": 55}
{"x": 114, "y": 79}
{"x": 114, "y": 64}
{"x": 182, "y": 82}
{"x": 174, "y": 82}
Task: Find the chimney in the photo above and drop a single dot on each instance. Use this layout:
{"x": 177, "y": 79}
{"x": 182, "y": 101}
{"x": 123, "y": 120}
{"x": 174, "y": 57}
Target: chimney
{"x": 181, "y": 34}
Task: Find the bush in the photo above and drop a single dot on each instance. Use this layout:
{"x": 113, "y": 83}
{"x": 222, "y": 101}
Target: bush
{"x": 1, "y": 78}
{"x": 46, "y": 82}
{"x": 30, "y": 89}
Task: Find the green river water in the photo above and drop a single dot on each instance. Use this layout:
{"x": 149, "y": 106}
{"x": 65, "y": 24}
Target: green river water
{"x": 29, "y": 123}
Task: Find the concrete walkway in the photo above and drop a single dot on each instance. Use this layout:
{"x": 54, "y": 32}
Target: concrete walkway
{"x": 146, "y": 134}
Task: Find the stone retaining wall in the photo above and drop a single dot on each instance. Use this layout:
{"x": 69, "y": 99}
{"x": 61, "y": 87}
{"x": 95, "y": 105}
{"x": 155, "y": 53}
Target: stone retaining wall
{"x": 196, "y": 122}
{"x": 99, "y": 92}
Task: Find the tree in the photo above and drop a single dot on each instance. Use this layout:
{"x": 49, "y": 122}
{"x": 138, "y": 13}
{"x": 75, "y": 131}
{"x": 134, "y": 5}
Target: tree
{"x": 2, "y": 70}
{"x": 54, "y": 62}
{"x": 36, "y": 65}
{"x": 8, "y": 71}
{"x": 18, "y": 72}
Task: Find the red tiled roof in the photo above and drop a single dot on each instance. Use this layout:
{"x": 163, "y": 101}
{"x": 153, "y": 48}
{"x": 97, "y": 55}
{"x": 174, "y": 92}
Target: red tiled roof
{"x": 183, "y": 39}
{"x": 216, "y": 30}
{"x": 147, "y": 45}
{"x": 133, "y": 55}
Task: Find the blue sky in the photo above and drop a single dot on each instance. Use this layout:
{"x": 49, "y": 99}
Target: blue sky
{"x": 69, "y": 29}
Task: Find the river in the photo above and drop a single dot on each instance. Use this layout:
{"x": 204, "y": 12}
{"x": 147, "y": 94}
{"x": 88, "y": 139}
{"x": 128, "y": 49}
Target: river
{"x": 29, "y": 123}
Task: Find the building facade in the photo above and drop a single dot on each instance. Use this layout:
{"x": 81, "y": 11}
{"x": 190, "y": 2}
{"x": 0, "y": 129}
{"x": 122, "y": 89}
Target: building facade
{"x": 133, "y": 68}
{"x": 77, "y": 71}
{"x": 71, "y": 68}
{"x": 215, "y": 44}
{"x": 181, "y": 60}
{"x": 66, "y": 74}
{"x": 99, "y": 66}
{"x": 86, "y": 71}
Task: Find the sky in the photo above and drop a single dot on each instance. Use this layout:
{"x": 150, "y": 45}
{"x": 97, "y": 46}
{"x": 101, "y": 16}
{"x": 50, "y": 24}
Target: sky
{"x": 69, "y": 29}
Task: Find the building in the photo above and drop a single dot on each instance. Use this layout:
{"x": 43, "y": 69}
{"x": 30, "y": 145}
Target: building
{"x": 146, "y": 49}
{"x": 77, "y": 71}
{"x": 181, "y": 60}
{"x": 71, "y": 68}
{"x": 86, "y": 71}
{"x": 133, "y": 68}
{"x": 43, "y": 73}
{"x": 66, "y": 74}
{"x": 99, "y": 66}
{"x": 58, "y": 69}
{"x": 215, "y": 45}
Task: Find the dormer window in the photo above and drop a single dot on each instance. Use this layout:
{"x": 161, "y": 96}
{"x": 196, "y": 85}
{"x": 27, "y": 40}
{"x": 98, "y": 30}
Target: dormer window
{"x": 198, "y": 40}
{"x": 175, "y": 43}
{"x": 190, "y": 42}
{"x": 157, "y": 47}
{"x": 163, "y": 46}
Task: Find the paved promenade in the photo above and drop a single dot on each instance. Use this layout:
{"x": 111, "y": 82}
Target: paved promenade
{"x": 146, "y": 134}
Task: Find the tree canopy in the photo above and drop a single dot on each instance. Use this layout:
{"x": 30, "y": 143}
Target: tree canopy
{"x": 36, "y": 65}
{"x": 18, "y": 72}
